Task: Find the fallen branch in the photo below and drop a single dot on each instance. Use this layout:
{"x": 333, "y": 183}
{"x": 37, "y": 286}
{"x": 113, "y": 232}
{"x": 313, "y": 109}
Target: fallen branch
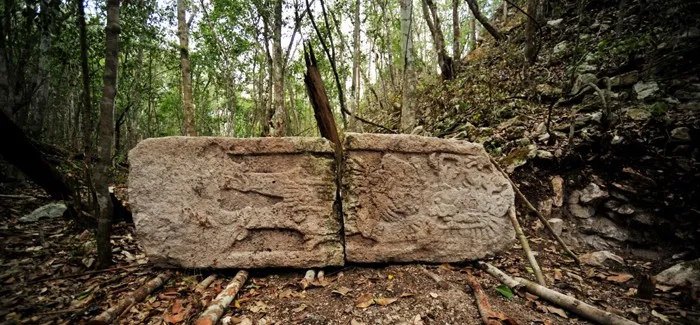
{"x": 223, "y": 300}
{"x": 526, "y": 246}
{"x": 488, "y": 316}
{"x": 565, "y": 301}
{"x": 110, "y": 315}
{"x": 498, "y": 274}
{"x": 441, "y": 283}
{"x": 537, "y": 212}
{"x": 205, "y": 284}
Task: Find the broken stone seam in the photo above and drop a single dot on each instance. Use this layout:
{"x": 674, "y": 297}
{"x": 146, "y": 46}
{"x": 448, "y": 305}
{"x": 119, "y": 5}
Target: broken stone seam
{"x": 206, "y": 202}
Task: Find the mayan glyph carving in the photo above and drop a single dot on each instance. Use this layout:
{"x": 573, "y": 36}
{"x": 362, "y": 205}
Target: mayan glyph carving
{"x": 236, "y": 203}
{"x": 410, "y": 198}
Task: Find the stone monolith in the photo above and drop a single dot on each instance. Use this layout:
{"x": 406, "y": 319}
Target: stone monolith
{"x": 204, "y": 202}
{"x": 411, "y": 198}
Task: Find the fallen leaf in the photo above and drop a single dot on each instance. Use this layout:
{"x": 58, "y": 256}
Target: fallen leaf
{"x": 505, "y": 291}
{"x": 433, "y": 294}
{"x": 664, "y": 288}
{"x": 356, "y": 322}
{"x": 285, "y": 294}
{"x": 385, "y": 301}
{"x": 300, "y": 308}
{"x": 365, "y": 300}
{"x": 407, "y": 294}
{"x": 342, "y": 291}
{"x": 560, "y": 312}
{"x": 557, "y": 274}
{"x": 390, "y": 277}
{"x": 660, "y": 316}
{"x": 417, "y": 320}
{"x": 258, "y": 308}
{"x": 620, "y": 277}
{"x": 175, "y": 314}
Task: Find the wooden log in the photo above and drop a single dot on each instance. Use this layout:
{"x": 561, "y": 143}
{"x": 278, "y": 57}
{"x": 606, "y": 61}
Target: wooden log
{"x": 217, "y": 308}
{"x": 205, "y": 284}
{"x": 565, "y": 301}
{"x": 111, "y": 314}
{"x": 526, "y": 246}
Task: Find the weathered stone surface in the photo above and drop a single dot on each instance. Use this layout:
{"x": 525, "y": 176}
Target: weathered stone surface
{"x": 410, "y": 198}
{"x": 682, "y": 274}
{"x": 236, "y": 203}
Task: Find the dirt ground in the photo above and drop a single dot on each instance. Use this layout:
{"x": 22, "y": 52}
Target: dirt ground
{"x": 47, "y": 278}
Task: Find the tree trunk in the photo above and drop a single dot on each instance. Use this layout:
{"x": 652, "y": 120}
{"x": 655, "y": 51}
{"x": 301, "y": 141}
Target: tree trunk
{"x": 432, "y": 19}
{"x": 279, "y": 119}
{"x": 621, "y": 14}
{"x": 41, "y": 98}
{"x": 106, "y": 133}
{"x": 183, "y": 34}
{"x": 505, "y": 11}
{"x": 530, "y": 50}
{"x": 472, "y": 33}
{"x": 17, "y": 149}
{"x": 474, "y": 7}
{"x": 355, "y": 91}
{"x": 456, "y": 48}
{"x": 407, "y": 85}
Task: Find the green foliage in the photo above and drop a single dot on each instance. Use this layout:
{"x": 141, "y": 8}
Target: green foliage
{"x": 504, "y": 291}
{"x": 658, "y": 108}
{"x": 623, "y": 46}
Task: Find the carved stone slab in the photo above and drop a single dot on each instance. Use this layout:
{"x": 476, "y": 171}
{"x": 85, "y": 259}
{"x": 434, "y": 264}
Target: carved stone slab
{"x": 411, "y": 198}
{"x": 203, "y": 202}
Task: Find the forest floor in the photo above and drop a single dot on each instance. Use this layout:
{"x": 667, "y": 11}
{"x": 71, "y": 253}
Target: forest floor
{"x": 46, "y": 277}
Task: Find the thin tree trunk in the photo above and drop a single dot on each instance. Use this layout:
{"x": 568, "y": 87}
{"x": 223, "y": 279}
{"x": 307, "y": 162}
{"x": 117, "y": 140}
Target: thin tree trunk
{"x": 474, "y": 7}
{"x": 85, "y": 72}
{"x": 505, "y": 11}
{"x": 407, "y": 85}
{"x": 332, "y": 57}
{"x": 472, "y": 33}
{"x": 188, "y": 106}
{"x": 279, "y": 119}
{"x": 432, "y": 19}
{"x": 355, "y": 91}
{"x": 104, "y": 150}
{"x": 41, "y": 98}
{"x": 530, "y": 50}
{"x": 456, "y": 48}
